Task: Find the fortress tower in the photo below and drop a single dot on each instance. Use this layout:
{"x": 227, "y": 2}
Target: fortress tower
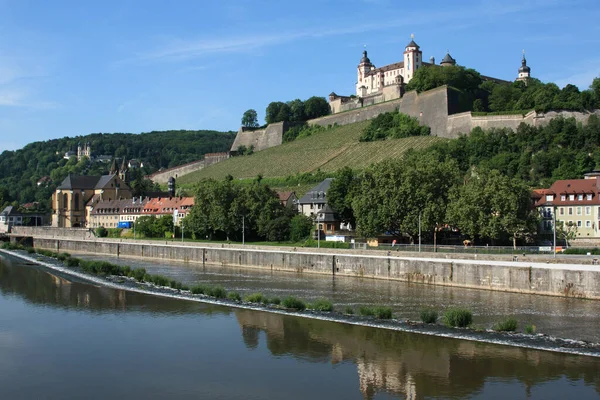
{"x": 524, "y": 71}
{"x": 364, "y": 68}
{"x": 413, "y": 58}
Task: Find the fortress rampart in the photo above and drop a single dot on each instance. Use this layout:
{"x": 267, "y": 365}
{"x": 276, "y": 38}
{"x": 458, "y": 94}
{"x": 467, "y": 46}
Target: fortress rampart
{"x": 437, "y": 108}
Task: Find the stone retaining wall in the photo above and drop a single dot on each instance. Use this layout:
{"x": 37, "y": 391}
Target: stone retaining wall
{"x": 567, "y": 280}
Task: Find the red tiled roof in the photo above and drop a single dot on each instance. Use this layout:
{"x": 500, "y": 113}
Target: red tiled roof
{"x": 570, "y": 187}
{"x": 166, "y": 205}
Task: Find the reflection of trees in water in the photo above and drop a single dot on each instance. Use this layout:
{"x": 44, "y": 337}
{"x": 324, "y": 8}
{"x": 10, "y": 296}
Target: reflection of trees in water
{"x": 411, "y": 365}
{"x": 36, "y": 285}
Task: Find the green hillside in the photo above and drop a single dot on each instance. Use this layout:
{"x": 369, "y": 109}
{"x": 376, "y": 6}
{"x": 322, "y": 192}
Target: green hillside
{"x": 328, "y": 151}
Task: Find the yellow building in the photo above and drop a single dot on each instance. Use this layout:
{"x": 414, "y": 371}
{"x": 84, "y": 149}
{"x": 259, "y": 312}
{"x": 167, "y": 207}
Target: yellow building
{"x": 70, "y": 201}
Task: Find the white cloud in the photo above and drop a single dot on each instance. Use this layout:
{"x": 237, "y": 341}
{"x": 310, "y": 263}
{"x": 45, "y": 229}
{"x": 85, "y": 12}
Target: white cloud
{"x": 178, "y": 49}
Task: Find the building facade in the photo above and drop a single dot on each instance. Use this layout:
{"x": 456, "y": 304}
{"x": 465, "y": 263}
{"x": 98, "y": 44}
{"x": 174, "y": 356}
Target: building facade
{"x": 109, "y": 213}
{"x": 75, "y": 197}
{"x": 576, "y": 205}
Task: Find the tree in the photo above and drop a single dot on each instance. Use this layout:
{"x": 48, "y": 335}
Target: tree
{"x": 300, "y": 227}
{"x": 273, "y": 111}
{"x": 567, "y": 231}
{"x": 340, "y": 194}
{"x": 297, "y": 113}
{"x": 491, "y": 205}
{"x": 461, "y": 78}
{"x": 316, "y": 107}
{"x": 250, "y": 119}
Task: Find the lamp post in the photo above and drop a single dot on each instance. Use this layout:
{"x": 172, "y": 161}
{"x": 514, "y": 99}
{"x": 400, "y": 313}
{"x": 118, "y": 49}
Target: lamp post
{"x": 243, "y": 231}
{"x": 554, "y": 228}
{"x": 319, "y": 230}
{"x": 419, "y": 231}
{"x": 182, "y": 231}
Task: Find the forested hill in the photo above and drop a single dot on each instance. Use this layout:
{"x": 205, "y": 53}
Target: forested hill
{"x": 20, "y": 170}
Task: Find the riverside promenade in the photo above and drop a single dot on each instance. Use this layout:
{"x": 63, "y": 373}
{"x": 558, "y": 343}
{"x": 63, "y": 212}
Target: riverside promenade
{"x": 530, "y": 274}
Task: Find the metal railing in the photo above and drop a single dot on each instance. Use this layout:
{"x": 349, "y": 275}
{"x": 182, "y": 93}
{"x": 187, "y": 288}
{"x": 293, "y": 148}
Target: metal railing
{"x": 425, "y": 248}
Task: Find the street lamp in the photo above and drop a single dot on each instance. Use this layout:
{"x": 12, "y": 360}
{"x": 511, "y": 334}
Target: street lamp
{"x": 554, "y": 228}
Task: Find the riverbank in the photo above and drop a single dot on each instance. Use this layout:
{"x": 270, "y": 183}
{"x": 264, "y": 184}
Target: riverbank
{"x": 563, "y": 280}
{"x": 538, "y": 341}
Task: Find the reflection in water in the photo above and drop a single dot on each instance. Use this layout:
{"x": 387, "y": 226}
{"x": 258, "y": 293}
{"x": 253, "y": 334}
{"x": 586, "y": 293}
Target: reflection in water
{"x": 401, "y": 364}
{"x": 38, "y": 285}
{"x": 411, "y": 365}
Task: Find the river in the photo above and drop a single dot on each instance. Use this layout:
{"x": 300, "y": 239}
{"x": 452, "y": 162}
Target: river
{"x": 558, "y": 316}
{"x": 64, "y": 339}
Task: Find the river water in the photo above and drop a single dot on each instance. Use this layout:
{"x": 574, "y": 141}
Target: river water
{"x": 65, "y": 339}
{"x": 557, "y": 316}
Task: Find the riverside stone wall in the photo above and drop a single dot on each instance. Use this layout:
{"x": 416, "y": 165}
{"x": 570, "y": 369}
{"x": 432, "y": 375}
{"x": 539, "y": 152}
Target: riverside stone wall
{"x": 567, "y": 280}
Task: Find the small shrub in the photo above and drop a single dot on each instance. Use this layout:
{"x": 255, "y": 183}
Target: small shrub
{"x": 294, "y": 303}
{"x": 30, "y": 250}
{"x": 530, "y": 329}
{"x": 507, "y": 325}
{"x": 198, "y": 289}
{"x": 138, "y": 274}
{"x": 254, "y": 298}
{"x": 366, "y": 311}
{"x": 383, "y": 312}
{"x": 275, "y": 300}
{"x": 458, "y": 317}
{"x": 72, "y": 262}
{"x": 322, "y": 305}
{"x": 217, "y": 292}
{"x": 349, "y": 310}
{"x": 101, "y": 232}
{"x": 235, "y": 296}
{"x": 429, "y": 316}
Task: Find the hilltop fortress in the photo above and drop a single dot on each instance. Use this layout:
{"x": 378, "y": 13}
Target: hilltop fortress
{"x": 380, "y": 90}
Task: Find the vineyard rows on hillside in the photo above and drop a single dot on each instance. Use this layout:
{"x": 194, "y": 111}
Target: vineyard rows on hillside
{"x": 328, "y": 151}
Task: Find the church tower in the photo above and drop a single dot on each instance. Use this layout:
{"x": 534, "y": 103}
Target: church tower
{"x": 524, "y": 71}
{"x": 79, "y": 151}
{"x": 124, "y": 172}
{"x": 413, "y": 57}
{"x": 364, "y": 68}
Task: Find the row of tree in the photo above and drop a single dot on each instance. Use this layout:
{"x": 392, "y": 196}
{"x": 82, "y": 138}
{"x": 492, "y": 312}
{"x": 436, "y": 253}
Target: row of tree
{"x": 227, "y": 210}
{"x": 291, "y": 111}
{"x": 429, "y": 190}
{"x": 485, "y": 95}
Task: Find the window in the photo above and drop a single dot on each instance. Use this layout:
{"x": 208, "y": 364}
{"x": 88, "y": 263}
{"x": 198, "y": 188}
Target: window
{"x": 588, "y": 224}
{"x": 563, "y": 197}
{"x": 588, "y": 210}
{"x": 570, "y": 210}
{"x": 589, "y": 196}
{"x": 562, "y": 211}
{"x": 549, "y": 197}
{"x": 579, "y": 224}
{"x": 578, "y": 210}
{"x": 571, "y": 197}
{"x": 580, "y": 197}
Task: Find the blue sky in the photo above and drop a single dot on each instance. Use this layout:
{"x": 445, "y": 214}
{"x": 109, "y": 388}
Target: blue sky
{"x": 69, "y": 68}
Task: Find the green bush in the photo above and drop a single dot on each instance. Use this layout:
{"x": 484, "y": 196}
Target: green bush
{"x": 254, "y": 298}
{"x": 300, "y": 227}
{"x": 366, "y": 311}
{"x": 235, "y": 296}
{"x": 138, "y": 274}
{"x": 275, "y": 300}
{"x": 101, "y": 232}
{"x": 322, "y": 305}
{"x": 458, "y": 317}
{"x": 393, "y": 125}
{"x": 217, "y": 292}
{"x": 581, "y": 251}
{"x": 349, "y": 310}
{"x": 530, "y": 329}
{"x": 429, "y": 316}
{"x": 509, "y": 324}
{"x": 30, "y": 250}
{"x": 198, "y": 289}
{"x": 72, "y": 262}
{"x": 294, "y": 303}
{"x": 383, "y": 312}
